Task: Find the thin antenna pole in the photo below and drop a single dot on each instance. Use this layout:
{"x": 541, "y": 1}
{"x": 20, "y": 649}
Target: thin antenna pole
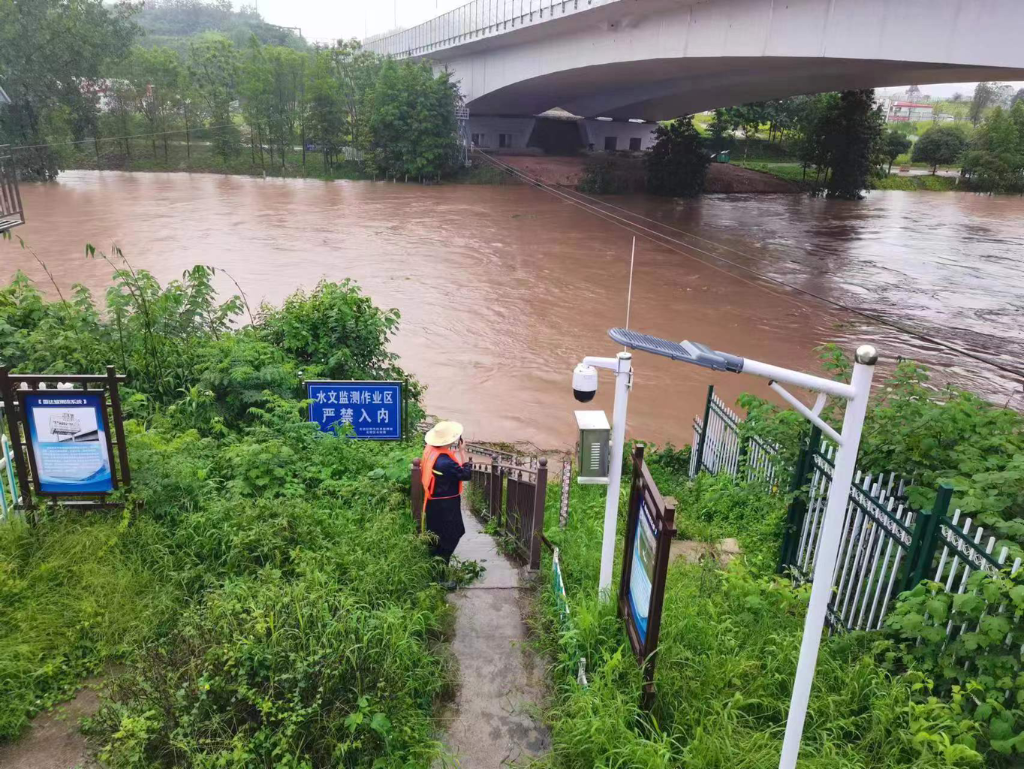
{"x": 629, "y": 294}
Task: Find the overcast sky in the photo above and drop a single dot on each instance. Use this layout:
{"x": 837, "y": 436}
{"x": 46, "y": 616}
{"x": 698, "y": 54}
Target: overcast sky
{"x": 327, "y": 20}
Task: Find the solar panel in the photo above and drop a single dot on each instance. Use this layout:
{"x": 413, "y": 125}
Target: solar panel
{"x": 687, "y": 352}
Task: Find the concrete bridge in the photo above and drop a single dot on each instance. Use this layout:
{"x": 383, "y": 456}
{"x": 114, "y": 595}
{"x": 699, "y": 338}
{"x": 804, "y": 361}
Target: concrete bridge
{"x": 658, "y": 59}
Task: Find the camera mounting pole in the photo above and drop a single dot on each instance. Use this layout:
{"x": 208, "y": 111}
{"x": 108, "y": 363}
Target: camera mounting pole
{"x": 622, "y": 365}
{"x": 856, "y": 394}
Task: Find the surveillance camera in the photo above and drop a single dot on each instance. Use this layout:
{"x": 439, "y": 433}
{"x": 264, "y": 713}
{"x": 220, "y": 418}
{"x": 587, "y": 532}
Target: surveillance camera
{"x": 584, "y": 383}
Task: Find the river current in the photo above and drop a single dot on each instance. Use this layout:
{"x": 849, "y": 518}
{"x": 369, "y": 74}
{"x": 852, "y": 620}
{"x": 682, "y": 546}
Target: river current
{"x": 502, "y": 289}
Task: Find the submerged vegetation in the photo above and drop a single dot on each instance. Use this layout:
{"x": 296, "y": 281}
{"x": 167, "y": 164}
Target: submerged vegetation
{"x": 263, "y": 589}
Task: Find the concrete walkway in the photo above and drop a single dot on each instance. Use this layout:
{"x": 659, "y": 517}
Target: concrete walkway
{"x": 495, "y": 721}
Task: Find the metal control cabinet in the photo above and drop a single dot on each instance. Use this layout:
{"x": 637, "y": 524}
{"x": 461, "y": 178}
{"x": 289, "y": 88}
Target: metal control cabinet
{"x": 594, "y": 447}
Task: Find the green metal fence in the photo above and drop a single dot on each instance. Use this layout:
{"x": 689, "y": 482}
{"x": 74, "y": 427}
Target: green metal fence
{"x": 722, "y": 448}
{"x": 886, "y": 547}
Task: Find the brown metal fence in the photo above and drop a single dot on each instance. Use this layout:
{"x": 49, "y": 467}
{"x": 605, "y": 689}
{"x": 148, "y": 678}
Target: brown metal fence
{"x": 11, "y": 210}
{"x": 512, "y": 495}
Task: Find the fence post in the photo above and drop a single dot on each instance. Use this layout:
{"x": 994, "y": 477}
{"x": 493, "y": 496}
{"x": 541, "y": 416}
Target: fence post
{"x": 924, "y": 539}
{"x": 494, "y": 503}
{"x": 563, "y": 509}
{"x": 14, "y": 430}
{"x": 798, "y": 506}
{"x": 118, "y": 420}
{"x": 539, "y": 498}
{"x": 699, "y": 464}
{"x": 416, "y": 494}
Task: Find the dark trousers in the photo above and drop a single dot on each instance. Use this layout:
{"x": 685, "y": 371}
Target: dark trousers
{"x": 444, "y": 520}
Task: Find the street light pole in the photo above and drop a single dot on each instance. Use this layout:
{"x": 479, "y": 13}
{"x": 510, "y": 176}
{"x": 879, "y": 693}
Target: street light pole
{"x": 622, "y": 365}
{"x": 856, "y": 395}
{"x": 828, "y": 551}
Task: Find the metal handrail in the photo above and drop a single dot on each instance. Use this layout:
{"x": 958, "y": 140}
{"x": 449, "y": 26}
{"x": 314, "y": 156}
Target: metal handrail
{"x": 472, "y": 21}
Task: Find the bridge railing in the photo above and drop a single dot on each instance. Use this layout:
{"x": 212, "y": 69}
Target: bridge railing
{"x": 474, "y": 20}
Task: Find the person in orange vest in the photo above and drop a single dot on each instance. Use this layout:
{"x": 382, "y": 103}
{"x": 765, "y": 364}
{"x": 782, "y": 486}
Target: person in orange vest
{"x": 445, "y": 467}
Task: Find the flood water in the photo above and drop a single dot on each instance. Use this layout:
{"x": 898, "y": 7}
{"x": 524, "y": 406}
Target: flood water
{"x": 503, "y": 289}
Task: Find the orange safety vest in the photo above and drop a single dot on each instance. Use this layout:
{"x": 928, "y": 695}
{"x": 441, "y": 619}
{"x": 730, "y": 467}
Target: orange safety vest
{"x": 427, "y": 472}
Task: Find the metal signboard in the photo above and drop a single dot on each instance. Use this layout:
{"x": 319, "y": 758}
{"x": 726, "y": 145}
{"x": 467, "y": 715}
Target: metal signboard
{"x": 364, "y": 410}
{"x": 70, "y": 442}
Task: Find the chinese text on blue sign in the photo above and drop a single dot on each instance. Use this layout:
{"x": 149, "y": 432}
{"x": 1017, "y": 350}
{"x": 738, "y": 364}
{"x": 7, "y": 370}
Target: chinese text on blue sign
{"x": 368, "y": 410}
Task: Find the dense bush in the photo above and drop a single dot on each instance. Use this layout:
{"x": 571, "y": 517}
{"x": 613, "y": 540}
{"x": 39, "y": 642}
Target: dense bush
{"x": 264, "y": 587}
{"x": 606, "y": 174}
{"x": 677, "y": 164}
{"x": 979, "y": 671}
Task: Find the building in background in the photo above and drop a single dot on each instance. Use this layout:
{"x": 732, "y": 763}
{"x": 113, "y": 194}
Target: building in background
{"x": 908, "y": 112}
{"x": 557, "y": 132}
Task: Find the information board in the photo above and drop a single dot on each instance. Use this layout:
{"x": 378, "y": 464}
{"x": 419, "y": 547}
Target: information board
{"x": 650, "y": 527}
{"x": 362, "y": 410}
{"x": 642, "y": 571}
{"x": 69, "y": 442}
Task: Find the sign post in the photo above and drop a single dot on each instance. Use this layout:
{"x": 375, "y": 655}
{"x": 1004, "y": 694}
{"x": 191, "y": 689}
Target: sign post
{"x": 371, "y": 411}
{"x": 650, "y": 527}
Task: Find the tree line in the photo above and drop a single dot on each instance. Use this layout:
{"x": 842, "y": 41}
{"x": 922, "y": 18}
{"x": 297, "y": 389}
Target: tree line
{"x": 269, "y": 101}
{"x": 991, "y": 157}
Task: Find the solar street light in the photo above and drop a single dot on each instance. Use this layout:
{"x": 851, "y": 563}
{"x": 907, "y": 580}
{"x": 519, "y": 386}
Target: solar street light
{"x": 855, "y": 393}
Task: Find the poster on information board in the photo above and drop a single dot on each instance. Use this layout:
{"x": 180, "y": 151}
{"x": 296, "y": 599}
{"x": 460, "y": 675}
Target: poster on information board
{"x": 642, "y": 571}
{"x": 69, "y": 442}
{"x": 370, "y": 411}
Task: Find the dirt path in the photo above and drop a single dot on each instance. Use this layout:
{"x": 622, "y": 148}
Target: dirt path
{"x": 495, "y": 721}
{"x": 53, "y": 741}
{"x": 722, "y": 177}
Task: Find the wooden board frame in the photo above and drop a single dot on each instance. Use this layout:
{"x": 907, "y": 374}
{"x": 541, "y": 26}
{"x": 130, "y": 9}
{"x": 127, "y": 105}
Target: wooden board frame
{"x": 663, "y": 514}
{"x": 12, "y": 389}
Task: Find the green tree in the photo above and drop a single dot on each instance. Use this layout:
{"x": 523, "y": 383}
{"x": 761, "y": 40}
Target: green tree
{"x": 940, "y": 145}
{"x": 326, "y": 124}
{"x": 213, "y": 77}
{"x": 49, "y": 52}
{"x": 719, "y": 128}
{"x": 154, "y": 75}
{"x": 677, "y": 164}
{"x": 995, "y": 158}
{"x": 894, "y": 144}
{"x": 854, "y": 144}
{"x": 749, "y": 118}
{"x": 409, "y": 117}
{"x": 985, "y": 96}
{"x": 255, "y": 88}
{"x": 813, "y": 129}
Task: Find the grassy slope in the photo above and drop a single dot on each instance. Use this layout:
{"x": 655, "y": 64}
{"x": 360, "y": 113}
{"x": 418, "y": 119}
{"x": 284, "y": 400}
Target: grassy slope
{"x": 726, "y": 663}
{"x": 264, "y": 588}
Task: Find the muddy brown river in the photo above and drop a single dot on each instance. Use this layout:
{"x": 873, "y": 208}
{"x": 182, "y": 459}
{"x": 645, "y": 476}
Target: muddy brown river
{"x": 503, "y": 289}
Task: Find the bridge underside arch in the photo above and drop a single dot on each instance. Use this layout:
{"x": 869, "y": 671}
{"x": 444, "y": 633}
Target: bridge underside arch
{"x": 661, "y": 89}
